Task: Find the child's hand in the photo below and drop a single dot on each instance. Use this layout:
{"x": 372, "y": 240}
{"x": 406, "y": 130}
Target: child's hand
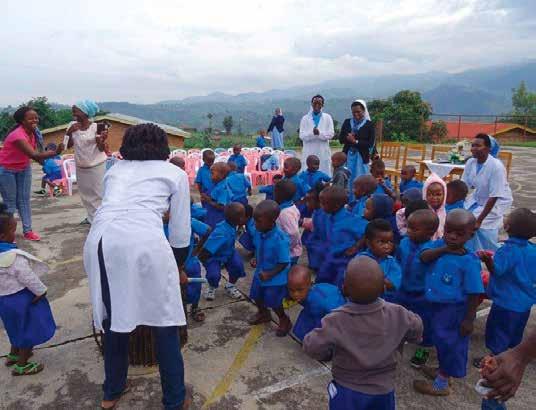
{"x": 380, "y": 181}
{"x": 253, "y": 263}
{"x": 388, "y": 284}
{"x": 307, "y": 224}
{"x": 183, "y": 278}
{"x": 466, "y": 327}
{"x": 352, "y": 250}
{"x": 264, "y": 276}
{"x": 485, "y": 256}
{"x": 38, "y": 298}
{"x": 205, "y": 196}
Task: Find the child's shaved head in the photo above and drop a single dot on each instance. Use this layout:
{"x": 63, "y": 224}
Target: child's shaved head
{"x": 456, "y": 191}
{"x": 234, "y": 213}
{"x": 521, "y": 223}
{"x": 179, "y": 162}
{"x": 312, "y": 160}
{"x": 219, "y": 171}
{"x": 407, "y": 172}
{"x": 291, "y": 166}
{"x": 365, "y": 185}
{"x": 338, "y": 159}
{"x": 422, "y": 224}
{"x": 265, "y": 214}
{"x": 284, "y": 191}
{"x": 460, "y": 217}
{"x": 333, "y": 198}
{"x": 299, "y": 282}
{"x": 208, "y": 157}
{"x": 363, "y": 282}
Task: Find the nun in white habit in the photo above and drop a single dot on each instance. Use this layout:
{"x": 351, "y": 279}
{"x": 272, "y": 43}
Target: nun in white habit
{"x": 316, "y": 130}
{"x": 132, "y": 271}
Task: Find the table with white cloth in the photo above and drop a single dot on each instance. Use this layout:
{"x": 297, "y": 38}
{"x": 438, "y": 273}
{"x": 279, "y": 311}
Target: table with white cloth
{"x": 442, "y": 169}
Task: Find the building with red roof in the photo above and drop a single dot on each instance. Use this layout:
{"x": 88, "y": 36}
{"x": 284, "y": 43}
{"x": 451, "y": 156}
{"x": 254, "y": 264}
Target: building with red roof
{"x": 504, "y": 132}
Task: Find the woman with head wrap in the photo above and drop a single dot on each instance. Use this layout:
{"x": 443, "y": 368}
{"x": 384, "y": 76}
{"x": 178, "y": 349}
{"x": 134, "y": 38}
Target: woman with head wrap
{"x": 89, "y": 155}
{"x": 357, "y": 135}
{"x": 276, "y": 128}
{"x": 316, "y": 130}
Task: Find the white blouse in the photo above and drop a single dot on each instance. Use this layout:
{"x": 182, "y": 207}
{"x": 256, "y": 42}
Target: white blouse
{"x": 141, "y": 270}
{"x": 86, "y": 152}
{"x": 19, "y": 270}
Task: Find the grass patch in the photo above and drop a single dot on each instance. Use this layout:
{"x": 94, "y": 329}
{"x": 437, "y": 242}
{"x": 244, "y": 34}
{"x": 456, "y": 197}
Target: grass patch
{"x": 527, "y": 144}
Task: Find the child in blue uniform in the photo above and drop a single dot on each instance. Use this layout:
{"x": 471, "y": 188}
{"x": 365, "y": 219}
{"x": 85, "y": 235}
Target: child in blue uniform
{"x": 317, "y": 300}
{"x": 312, "y": 176}
{"x": 291, "y": 167}
{"x": 315, "y": 239}
{"x": 453, "y": 288}
{"x": 24, "y": 308}
{"x": 203, "y": 179}
{"x": 343, "y": 230}
{"x": 407, "y": 179}
{"x": 239, "y": 185}
{"x": 377, "y": 170}
{"x": 219, "y": 196}
{"x": 238, "y": 159}
{"x": 272, "y": 263}
{"x": 52, "y": 171}
{"x": 381, "y": 206}
{"x": 456, "y": 193}
{"x": 260, "y": 141}
{"x": 312, "y": 203}
{"x": 422, "y": 225}
{"x": 379, "y": 239}
{"x": 219, "y": 250}
{"x": 246, "y": 239}
{"x": 364, "y": 187}
{"x": 269, "y": 189}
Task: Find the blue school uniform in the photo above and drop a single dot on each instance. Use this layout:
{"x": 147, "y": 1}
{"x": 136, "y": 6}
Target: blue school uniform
{"x": 240, "y": 162}
{"x": 512, "y": 287}
{"x": 387, "y": 183}
{"x": 271, "y": 248}
{"x": 411, "y": 294}
{"x": 268, "y": 190}
{"x": 316, "y": 242}
{"x": 313, "y": 178}
{"x": 222, "y": 195}
{"x": 52, "y": 168}
{"x": 321, "y": 300}
{"x": 357, "y": 207}
{"x": 246, "y": 239}
{"x": 449, "y": 280}
{"x": 412, "y": 183}
{"x": 221, "y": 246}
{"x": 455, "y": 205}
{"x": 192, "y": 265}
{"x": 204, "y": 179}
{"x": 391, "y": 271}
{"x": 344, "y": 398}
{"x": 198, "y": 212}
{"x": 239, "y": 186}
{"x": 260, "y": 141}
{"x": 301, "y": 187}
{"x": 343, "y": 231}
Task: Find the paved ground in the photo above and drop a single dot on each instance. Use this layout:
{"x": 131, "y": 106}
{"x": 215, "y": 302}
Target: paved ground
{"x": 230, "y": 365}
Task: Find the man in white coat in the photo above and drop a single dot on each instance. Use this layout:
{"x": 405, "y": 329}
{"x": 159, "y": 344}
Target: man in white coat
{"x": 316, "y": 130}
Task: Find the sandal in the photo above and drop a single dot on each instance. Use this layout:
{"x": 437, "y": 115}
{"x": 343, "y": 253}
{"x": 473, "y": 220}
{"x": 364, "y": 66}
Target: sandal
{"x": 11, "y": 359}
{"x": 198, "y": 316}
{"x": 115, "y": 401}
{"x": 27, "y": 370}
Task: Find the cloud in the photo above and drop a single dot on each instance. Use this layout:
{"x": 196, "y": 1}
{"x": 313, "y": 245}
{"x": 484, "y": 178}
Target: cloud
{"x": 141, "y": 52}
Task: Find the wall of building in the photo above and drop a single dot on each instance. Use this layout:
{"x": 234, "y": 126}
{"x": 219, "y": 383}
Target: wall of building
{"x": 515, "y": 135}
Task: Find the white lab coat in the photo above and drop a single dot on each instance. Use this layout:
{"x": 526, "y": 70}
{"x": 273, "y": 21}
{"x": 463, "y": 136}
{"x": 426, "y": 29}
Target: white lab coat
{"x": 141, "y": 269}
{"x": 317, "y": 144}
{"x": 490, "y": 182}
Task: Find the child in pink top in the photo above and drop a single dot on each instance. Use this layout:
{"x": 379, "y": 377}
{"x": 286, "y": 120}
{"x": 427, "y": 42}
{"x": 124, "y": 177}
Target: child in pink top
{"x": 435, "y": 193}
{"x": 289, "y": 217}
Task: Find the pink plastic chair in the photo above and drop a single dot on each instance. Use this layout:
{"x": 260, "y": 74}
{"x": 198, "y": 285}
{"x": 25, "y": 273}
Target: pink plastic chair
{"x": 69, "y": 171}
{"x": 257, "y": 177}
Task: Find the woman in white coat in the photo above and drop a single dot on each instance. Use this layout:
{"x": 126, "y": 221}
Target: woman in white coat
{"x": 132, "y": 270}
{"x": 491, "y": 198}
{"x": 316, "y": 130}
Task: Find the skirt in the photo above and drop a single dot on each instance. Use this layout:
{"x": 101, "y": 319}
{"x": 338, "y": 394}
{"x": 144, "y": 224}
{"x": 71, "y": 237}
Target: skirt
{"x": 89, "y": 182}
{"x": 357, "y": 168}
{"x": 27, "y": 325}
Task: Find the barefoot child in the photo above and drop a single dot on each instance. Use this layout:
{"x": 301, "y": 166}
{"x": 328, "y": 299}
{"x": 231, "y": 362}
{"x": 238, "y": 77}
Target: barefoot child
{"x": 312, "y": 176}
{"x": 203, "y": 179}
{"x": 238, "y": 159}
{"x": 24, "y": 309}
{"x": 272, "y": 263}
{"x": 291, "y": 167}
{"x": 219, "y": 196}
{"x": 289, "y": 217}
{"x": 435, "y": 193}
{"x": 219, "y": 250}
{"x": 317, "y": 299}
{"x": 239, "y": 185}
{"x": 456, "y": 193}
{"x": 407, "y": 179}
{"x": 363, "y": 338}
{"x": 364, "y": 187}
{"x": 453, "y": 288}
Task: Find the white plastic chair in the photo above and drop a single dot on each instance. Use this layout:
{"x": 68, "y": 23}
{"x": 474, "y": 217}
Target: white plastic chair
{"x": 69, "y": 169}
{"x": 206, "y": 149}
{"x": 178, "y": 153}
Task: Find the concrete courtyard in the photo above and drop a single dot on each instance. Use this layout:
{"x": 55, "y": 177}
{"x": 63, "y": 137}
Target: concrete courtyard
{"x": 230, "y": 364}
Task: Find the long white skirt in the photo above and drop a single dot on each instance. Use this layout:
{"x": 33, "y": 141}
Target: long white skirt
{"x": 89, "y": 182}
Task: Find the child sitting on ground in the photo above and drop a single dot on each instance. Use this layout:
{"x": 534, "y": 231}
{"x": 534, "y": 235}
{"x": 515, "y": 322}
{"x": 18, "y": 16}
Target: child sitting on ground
{"x": 238, "y": 184}
{"x": 453, "y": 288}
{"x": 363, "y": 338}
{"x": 219, "y": 196}
{"x": 317, "y": 300}
{"x": 435, "y": 193}
{"x": 341, "y": 174}
{"x": 272, "y": 263}
{"x": 289, "y": 217}
{"x": 246, "y": 239}
{"x": 422, "y": 224}
{"x": 269, "y": 189}
{"x": 52, "y": 171}
{"x": 379, "y": 240}
{"x": 312, "y": 203}
{"x": 238, "y": 159}
{"x": 456, "y": 193}
{"x": 312, "y": 176}
{"x": 203, "y": 179}
{"x": 410, "y": 195}
{"x": 364, "y": 187}
{"x": 291, "y": 167}
{"x": 407, "y": 179}
{"x": 377, "y": 170}
{"x": 24, "y": 309}
{"x": 219, "y": 249}
{"x": 178, "y": 162}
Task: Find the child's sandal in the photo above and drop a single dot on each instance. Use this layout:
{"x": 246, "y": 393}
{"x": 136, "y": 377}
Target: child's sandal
{"x": 11, "y": 359}
{"x": 27, "y": 370}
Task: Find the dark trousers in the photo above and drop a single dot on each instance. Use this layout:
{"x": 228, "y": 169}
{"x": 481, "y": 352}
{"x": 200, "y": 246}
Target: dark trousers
{"x": 168, "y": 354}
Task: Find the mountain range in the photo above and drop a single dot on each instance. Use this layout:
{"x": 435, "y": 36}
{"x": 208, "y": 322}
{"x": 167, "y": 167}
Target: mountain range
{"x": 485, "y": 91}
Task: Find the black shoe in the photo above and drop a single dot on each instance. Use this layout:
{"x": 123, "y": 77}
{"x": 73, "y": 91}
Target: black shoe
{"x": 477, "y": 362}
{"x": 420, "y": 358}
{"x": 85, "y": 222}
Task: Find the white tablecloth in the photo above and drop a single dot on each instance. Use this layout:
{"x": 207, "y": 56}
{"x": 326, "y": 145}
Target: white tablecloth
{"x": 442, "y": 170}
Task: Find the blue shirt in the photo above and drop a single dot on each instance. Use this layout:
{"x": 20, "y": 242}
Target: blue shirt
{"x": 239, "y": 185}
{"x": 387, "y": 183}
{"x": 268, "y": 190}
{"x": 320, "y": 220}
{"x": 391, "y": 270}
{"x": 240, "y": 162}
{"x": 313, "y": 178}
{"x": 358, "y": 206}
{"x": 450, "y": 278}
{"x": 271, "y": 249}
{"x": 52, "y": 168}
{"x": 221, "y": 193}
{"x": 513, "y": 284}
{"x": 204, "y": 179}
{"x": 408, "y": 255}
{"x": 455, "y": 205}
{"x": 301, "y": 187}
{"x": 343, "y": 231}
{"x": 198, "y": 212}
{"x": 221, "y": 242}
{"x": 412, "y": 183}
{"x": 199, "y": 229}
{"x": 260, "y": 141}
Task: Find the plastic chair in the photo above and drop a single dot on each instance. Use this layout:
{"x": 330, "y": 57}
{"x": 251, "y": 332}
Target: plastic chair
{"x": 206, "y": 149}
{"x": 69, "y": 169}
{"x": 178, "y": 153}
{"x": 191, "y": 166}
{"x": 506, "y": 158}
{"x": 290, "y": 153}
{"x": 221, "y": 158}
{"x": 267, "y": 150}
{"x": 67, "y": 156}
{"x": 219, "y": 150}
{"x": 257, "y": 177}
{"x": 193, "y": 150}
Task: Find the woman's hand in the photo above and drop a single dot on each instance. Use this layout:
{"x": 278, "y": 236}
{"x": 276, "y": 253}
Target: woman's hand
{"x": 60, "y": 149}
{"x": 351, "y": 138}
{"x": 73, "y": 128}
{"x": 38, "y": 298}
{"x": 315, "y": 131}
{"x": 506, "y": 379}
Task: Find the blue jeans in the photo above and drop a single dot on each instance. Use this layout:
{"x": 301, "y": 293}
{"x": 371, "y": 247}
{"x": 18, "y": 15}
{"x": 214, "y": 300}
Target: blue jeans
{"x": 168, "y": 354}
{"x": 15, "y": 187}
{"x": 492, "y": 404}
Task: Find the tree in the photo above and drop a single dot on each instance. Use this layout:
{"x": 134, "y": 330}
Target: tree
{"x": 438, "y": 130}
{"x": 228, "y": 124}
{"x": 524, "y": 103}
{"x": 6, "y": 123}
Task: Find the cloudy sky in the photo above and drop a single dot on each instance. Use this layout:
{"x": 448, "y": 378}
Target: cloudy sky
{"x": 143, "y": 51}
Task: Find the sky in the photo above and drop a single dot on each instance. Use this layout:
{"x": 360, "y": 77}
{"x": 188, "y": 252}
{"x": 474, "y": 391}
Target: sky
{"x": 148, "y": 51}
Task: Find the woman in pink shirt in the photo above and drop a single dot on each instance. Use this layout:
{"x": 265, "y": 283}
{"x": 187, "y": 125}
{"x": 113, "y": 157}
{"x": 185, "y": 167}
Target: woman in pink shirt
{"x": 16, "y": 169}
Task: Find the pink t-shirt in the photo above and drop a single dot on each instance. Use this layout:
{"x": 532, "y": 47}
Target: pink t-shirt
{"x": 289, "y": 222}
{"x": 11, "y": 157}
